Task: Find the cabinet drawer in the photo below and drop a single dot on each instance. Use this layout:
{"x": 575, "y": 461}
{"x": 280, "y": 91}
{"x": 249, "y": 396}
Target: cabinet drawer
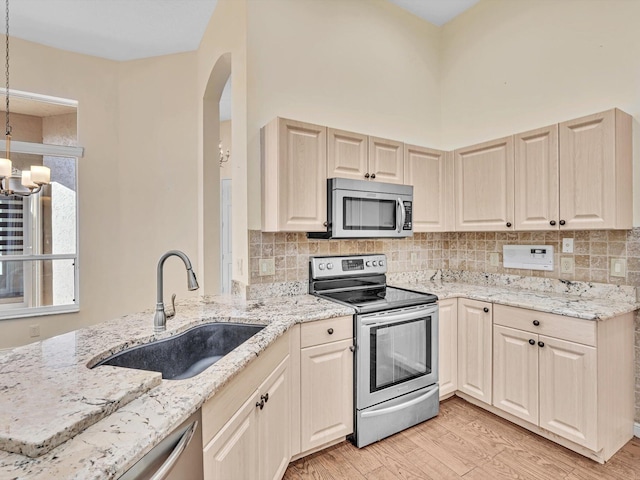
{"x": 558, "y": 326}
{"x": 316, "y": 333}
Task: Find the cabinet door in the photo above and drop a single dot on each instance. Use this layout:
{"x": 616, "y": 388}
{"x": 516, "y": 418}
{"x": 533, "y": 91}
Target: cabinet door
{"x": 448, "y": 346}
{"x": 347, "y": 154}
{"x": 233, "y": 452}
{"x": 484, "y": 186}
{"x": 294, "y": 176}
{"x": 431, "y": 174}
{"x": 326, "y": 393}
{"x": 536, "y": 179}
{"x": 386, "y": 160}
{"x": 568, "y": 382}
{"x": 474, "y": 349}
{"x": 274, "y": 425}
{"x": 515, "y": 372}
{"x": 595, "y": 171}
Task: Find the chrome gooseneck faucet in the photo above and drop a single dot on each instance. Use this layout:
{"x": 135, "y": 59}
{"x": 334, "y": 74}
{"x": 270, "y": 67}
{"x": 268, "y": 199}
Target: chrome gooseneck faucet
{"x": 160, "y": 318}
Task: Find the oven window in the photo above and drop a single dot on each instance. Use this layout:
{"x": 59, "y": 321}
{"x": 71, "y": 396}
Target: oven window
{"x": 400, "y": 352}
{"x": 368, "y": 214}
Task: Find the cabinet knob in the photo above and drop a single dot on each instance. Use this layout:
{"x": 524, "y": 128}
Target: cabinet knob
{"x": 541, "y": 344}
{"x": 352, "y": 348}
{"x": 265, "y": 397}
{"x": 509, "y": 224}
{"x": 330, "y": 331}
{"x": 366, "y": 175}
{"x": 325, "y": 224}
{"x": 562, "y": 222}
{"x": 486, "y": 310}
{"x": 260, "y": 404}
{"x": 536, "y": 322}
{"x": 373, "y": 175}
{"x": 552, "y": 223}
{"x": 532, "y": 341}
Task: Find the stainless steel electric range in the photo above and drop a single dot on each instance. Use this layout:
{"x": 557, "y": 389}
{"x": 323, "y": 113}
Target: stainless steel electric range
{"x": 396, "y": 340}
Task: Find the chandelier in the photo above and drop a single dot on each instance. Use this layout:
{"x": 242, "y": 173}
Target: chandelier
{"x": 39, "y": 175}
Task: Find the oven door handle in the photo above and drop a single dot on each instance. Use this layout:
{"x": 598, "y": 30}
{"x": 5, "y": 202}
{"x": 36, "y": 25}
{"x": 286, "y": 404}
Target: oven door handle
{"x": 386, "y": 318}
{"x": 400, "y": 406}
{"x": 403, "y": 214}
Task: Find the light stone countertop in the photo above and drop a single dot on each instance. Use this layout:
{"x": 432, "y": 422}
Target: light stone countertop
{"x": 110, "y": 446}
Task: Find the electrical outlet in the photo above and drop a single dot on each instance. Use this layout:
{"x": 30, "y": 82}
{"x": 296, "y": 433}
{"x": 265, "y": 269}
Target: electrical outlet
{"x": 567, "y": 265}
{"x": 618, "y": 267}
{"x": 414, "y": 258}
{"x": 267, "y": 266}
{"x": 567, "y": 245}
{"x": 34, "y": 330}
{"x": 494, "y": 259}
{"x": 239, "y": 266}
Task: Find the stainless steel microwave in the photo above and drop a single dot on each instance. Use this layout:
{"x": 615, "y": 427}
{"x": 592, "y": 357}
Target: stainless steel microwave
{"x": 367, "y": 209}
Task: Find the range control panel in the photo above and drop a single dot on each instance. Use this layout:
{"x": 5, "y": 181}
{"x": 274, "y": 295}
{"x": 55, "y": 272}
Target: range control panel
{"x": 529, "y": 257}
{"x": 329, "y": 267}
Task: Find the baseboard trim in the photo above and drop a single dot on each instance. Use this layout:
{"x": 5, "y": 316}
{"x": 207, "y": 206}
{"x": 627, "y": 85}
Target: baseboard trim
{"x": 636, "y": 429}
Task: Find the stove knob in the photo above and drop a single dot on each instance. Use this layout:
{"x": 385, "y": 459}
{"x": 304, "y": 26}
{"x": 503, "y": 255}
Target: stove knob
{"x": 329, "y": 266}
{"x": 381, "y": 263}
{"x": 368, "y": 264}
{"x": 375, "y": 264}
{"x": 321, "y": 266}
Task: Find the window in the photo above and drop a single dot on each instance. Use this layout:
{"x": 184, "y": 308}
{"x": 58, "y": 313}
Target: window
{"x": 38, "y": 234}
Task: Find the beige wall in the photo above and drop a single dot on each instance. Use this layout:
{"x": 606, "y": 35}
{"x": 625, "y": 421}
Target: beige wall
{"x": 137, "y": 180}
{"x": 509, "y": 66}
{"x": 361, "y": 65}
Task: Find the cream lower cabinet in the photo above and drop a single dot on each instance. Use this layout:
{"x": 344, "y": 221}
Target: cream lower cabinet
{"x": 326, "y": 381}
{"x": 474, "y": 348}
{"x": 253, "y": 443}
{"x": 448, "y": 346}
{"x": 567, "y": 376}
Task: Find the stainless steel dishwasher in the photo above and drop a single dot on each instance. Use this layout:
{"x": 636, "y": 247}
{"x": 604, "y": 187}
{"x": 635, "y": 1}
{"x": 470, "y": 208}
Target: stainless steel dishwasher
{"x": 177, "y": 457}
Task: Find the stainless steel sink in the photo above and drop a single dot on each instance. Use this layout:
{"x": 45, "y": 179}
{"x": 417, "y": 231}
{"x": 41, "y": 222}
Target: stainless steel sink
{"x": 186, "y": 354}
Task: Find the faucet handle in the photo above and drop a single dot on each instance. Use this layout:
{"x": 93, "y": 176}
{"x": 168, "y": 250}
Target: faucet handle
{"x": 172, "y": 313}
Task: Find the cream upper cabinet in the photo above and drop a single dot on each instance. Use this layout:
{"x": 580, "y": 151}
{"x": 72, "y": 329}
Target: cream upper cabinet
{"x": 474, "y": 348}
{"x": 431, "y": 174}
{"x": 448, "y": 346}
{"x": 294, "y": 176}
{"x": 484, "y": 186}
{"x": 386, "y": 160}
{"x": 347, "y": 154}
{"x": 326, "y": 381}
{"x": 358, "y": 156}
{"x": 596, "y": 172}
{"x": 536, "y": 193}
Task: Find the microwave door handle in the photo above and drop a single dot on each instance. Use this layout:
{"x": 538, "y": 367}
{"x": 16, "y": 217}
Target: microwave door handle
{"x": 403, "y": 215}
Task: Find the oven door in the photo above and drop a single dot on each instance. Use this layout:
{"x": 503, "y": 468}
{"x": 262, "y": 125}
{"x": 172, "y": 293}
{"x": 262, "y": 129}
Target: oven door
{"x": 397, "y": 353}
{"x": 370, "y": 214}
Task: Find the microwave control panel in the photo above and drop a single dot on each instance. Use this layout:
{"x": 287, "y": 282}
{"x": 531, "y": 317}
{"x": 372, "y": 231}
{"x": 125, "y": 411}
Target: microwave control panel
{"x": 408, "y": 219}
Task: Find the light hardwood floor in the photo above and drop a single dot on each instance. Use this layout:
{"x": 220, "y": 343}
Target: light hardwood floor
{"x": 463, "y": 441}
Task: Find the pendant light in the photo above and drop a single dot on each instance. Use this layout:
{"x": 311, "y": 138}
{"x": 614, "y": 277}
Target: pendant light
{"x": 39, "y": 175}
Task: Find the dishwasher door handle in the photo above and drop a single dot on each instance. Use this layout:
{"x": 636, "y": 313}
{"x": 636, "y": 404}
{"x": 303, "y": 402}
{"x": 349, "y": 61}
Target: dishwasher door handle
{"x": 180, "y": 447}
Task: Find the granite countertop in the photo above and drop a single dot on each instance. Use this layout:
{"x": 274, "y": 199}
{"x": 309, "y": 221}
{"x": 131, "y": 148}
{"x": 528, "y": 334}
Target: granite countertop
{"x": 49, "y": 395}
{"x": 558, "y": 303}
{"x": 94, "y": 424}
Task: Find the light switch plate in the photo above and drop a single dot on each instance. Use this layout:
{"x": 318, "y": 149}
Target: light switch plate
{"x": 494, "y": 259}
{"x": 567, "y": 245}
{"x": 618, "y": 267}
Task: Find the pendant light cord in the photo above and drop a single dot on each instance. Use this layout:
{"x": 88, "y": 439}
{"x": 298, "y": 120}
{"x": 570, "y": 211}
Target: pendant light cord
{"x": 8, "y": 127}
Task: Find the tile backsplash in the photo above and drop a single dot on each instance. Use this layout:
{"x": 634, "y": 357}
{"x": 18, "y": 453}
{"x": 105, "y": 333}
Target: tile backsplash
{"x": 593, "y": 251}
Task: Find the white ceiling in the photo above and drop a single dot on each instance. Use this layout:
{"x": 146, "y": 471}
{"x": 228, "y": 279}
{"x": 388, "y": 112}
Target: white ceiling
{"x": 437, "y": 12}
